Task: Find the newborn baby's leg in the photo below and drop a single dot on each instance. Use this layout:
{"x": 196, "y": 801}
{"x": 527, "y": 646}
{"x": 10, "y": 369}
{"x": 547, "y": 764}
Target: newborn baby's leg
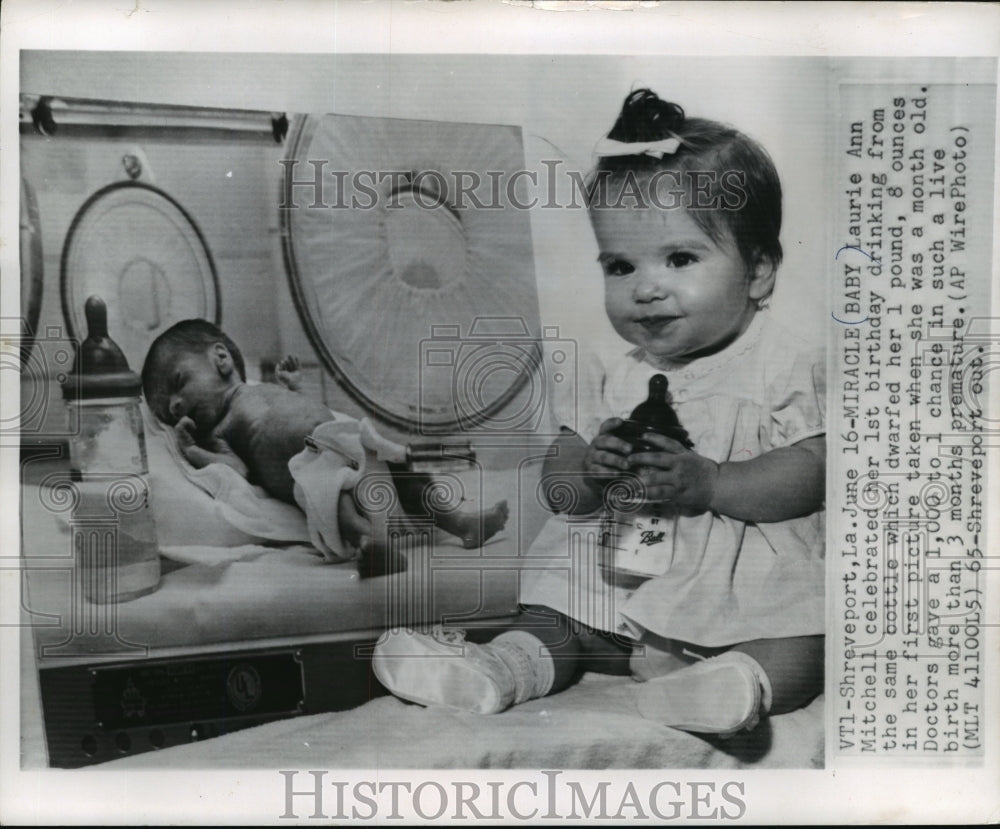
{"x": 474, "y": 528}
{"x": 375, "y": 559}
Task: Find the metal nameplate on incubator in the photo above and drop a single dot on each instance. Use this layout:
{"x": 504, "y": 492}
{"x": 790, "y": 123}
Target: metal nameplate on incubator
{"x": 95, "y": 713}
{"x": 168, "y": 692}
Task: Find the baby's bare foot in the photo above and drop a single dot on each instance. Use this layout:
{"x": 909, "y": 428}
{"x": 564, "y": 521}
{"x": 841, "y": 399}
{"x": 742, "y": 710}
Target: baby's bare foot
{"x": 475, "y": 529}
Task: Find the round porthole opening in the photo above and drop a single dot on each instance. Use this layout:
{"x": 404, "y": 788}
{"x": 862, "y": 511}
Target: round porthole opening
{"x": 425, "y": 240}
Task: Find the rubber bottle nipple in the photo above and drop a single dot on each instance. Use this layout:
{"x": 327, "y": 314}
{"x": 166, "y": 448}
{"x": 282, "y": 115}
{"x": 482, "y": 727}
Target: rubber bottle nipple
{"x": 654, "y": 414}
{"x": 100, "y": 368}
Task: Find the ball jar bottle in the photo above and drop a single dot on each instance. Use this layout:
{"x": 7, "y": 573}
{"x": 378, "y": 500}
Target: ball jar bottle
{"x": 114, "y": 535}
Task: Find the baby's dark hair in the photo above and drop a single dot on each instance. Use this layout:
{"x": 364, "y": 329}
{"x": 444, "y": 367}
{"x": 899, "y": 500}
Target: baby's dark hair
{"x": 187, "y": 336}
{"x": 745, "y": 192}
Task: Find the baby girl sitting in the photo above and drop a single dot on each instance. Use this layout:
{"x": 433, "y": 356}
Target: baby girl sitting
{"x": 194, "y": 379}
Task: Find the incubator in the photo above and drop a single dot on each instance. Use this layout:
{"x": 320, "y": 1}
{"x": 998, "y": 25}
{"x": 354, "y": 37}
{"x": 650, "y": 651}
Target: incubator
{"x": 146, "y": 635}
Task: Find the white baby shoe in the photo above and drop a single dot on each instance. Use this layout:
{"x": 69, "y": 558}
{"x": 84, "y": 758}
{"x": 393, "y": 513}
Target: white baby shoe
{"x": 441, "y": 668}
{"x": 721, "y": 695}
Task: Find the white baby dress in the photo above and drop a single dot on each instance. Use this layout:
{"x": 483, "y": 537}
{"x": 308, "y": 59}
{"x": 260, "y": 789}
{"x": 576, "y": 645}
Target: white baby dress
{"x": 730, "y": 581}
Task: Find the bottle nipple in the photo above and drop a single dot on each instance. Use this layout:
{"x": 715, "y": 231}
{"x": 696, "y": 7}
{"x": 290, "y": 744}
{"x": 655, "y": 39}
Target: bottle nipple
{"x": 655, "y": 414}
{"x": 100, "y": 369}
{"x": 658, "y": 388}
{"x": 96, "y": 313}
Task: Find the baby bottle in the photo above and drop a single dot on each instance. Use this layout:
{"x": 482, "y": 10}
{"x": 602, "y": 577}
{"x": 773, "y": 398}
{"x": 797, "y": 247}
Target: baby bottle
{"x": 638, "y": 537}
{"x": 114, "y": 538}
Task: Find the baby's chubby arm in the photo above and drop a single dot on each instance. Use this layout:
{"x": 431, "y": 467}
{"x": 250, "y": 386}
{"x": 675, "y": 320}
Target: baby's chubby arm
{"x": 784, "y": 483}
{"x": 217, "y": 451}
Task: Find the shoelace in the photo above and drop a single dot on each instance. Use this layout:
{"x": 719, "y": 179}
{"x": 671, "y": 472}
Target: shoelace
{"x": 449, "y": 636}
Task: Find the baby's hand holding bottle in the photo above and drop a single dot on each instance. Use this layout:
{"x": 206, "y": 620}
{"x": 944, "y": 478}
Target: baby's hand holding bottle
{"x": 607, "y": 456}
{"x": 674, "y": 474}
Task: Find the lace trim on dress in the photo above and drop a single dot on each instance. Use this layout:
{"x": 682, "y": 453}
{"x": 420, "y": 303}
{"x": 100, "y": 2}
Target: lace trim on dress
{"x": 697, "y": 369}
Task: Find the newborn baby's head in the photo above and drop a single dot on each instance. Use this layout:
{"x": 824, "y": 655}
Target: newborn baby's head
{"x": 189, "y": 371}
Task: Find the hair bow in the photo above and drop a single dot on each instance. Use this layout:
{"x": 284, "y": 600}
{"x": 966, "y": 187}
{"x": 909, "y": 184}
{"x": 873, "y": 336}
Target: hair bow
{"x": 658, "y": 149}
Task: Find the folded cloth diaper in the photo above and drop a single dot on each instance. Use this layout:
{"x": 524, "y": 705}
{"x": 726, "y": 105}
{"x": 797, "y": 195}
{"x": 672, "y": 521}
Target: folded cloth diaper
{"x": 338, "y": 455}
{"x": 322, "y": 471}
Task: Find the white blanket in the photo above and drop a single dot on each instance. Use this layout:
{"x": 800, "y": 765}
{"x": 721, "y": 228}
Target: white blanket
{"x": 592, "y": 725}
{"x": 213, "y": 506}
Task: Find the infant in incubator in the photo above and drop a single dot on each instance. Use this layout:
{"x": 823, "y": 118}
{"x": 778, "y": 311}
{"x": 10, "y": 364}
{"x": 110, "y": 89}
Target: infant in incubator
{"x": 194, "y": 379}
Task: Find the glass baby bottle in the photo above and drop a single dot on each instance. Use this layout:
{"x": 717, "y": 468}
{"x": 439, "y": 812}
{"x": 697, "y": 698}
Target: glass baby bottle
{"x": 638, "y": 537}
{"x": 114, "y": 537}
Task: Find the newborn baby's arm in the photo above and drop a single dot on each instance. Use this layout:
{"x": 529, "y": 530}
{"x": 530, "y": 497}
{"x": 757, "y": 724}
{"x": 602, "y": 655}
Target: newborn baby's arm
{"x": 288, "y": 373}
{"x": 218, "y": 451}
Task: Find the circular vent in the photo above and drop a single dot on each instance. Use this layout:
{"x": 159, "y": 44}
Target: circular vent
{"x": 137, "y": 248}
{"x": 411, "y": 264}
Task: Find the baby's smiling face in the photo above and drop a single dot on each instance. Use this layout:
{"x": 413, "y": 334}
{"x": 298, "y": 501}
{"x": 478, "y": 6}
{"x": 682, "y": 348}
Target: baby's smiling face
{"x": 195, "y": 384}
{"x": 669, "y": 287}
